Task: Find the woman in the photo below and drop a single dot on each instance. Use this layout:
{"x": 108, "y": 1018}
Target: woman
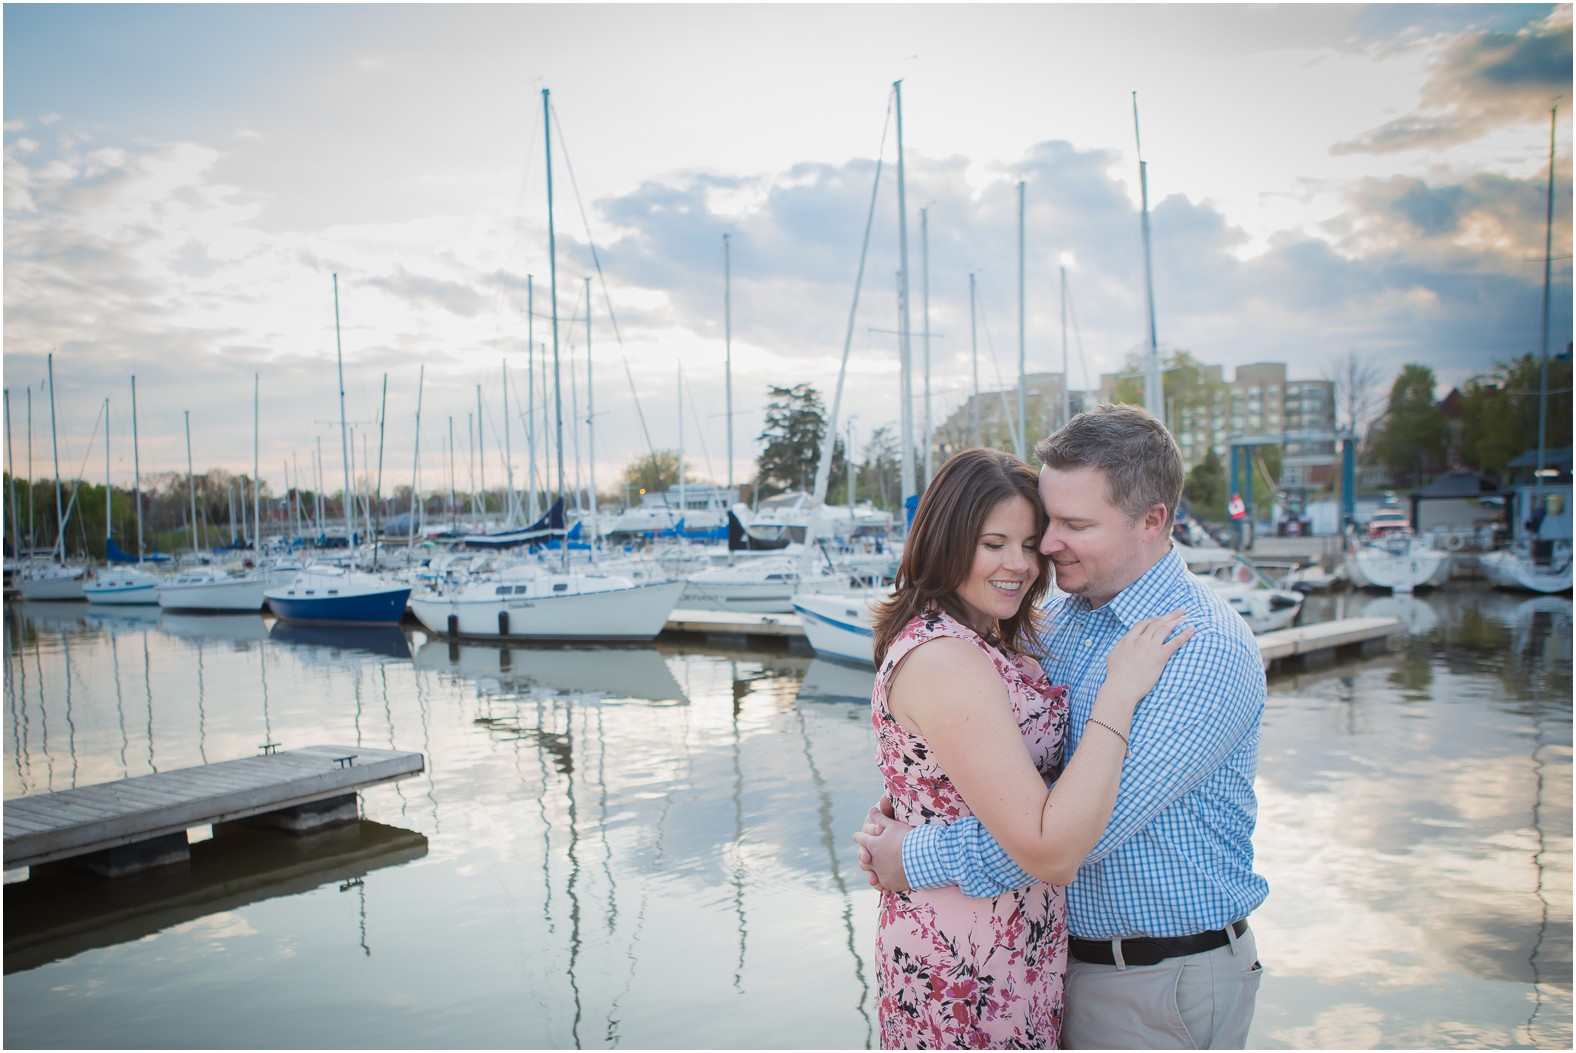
{"x": 967, "y": 724}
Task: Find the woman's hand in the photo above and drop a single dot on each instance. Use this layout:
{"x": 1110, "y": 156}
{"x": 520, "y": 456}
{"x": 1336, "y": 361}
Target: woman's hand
{"x": 1133, "y": 667}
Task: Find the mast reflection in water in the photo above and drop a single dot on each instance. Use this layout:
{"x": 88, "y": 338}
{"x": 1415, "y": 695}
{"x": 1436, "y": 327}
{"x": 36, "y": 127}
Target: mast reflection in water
{"x": 649, "y": 846}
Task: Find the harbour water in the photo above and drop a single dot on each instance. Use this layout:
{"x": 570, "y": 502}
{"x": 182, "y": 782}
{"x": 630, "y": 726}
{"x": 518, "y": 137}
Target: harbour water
{"x": 650, "y": 847}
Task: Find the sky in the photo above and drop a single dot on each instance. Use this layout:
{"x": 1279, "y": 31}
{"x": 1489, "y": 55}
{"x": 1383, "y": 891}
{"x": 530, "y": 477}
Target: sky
{"x": 188, "y": 188}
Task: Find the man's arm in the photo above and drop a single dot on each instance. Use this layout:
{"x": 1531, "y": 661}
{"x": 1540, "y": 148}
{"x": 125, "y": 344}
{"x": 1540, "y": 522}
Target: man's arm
{"x": 898, "y": 857}
{"x": 1210, "y": 696}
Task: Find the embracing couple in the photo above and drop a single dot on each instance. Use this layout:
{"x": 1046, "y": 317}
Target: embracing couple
{"x": 1064, "y": 848}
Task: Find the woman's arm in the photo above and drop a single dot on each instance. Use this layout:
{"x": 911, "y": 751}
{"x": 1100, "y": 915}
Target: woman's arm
{"x": 950, "y": 693}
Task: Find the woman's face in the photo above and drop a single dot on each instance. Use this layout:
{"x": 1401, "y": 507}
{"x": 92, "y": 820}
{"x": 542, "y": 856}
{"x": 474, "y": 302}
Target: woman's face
{"x": 1005, "y": 565}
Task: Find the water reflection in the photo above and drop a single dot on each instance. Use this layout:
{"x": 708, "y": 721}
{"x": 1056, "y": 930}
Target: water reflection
{"x": 648, "y": 845}
{"x": 1414, "y": 811}
{"x": 61, "y": 912}
{"x": 386, "y": 640}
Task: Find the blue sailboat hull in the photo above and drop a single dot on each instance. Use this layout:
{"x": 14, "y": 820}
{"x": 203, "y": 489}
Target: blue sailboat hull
{"x": 375, "y": 608}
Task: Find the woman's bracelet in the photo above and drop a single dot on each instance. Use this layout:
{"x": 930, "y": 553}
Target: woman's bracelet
{"x": 1126, "y": 747}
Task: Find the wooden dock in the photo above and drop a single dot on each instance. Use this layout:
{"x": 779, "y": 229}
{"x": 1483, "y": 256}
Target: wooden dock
{"x": 733, "y": 623}
{"x": 1327, "y": 640}
{"x": 142, "y": 821}
{"x": 1307, "y": 643}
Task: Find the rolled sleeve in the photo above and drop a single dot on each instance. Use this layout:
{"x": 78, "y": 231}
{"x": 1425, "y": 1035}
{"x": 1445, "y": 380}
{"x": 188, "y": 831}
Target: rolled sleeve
{"x": 962, "y": 853}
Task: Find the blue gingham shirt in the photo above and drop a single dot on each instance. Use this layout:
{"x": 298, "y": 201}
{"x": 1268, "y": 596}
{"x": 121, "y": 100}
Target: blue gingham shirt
{"x": 1177, "y": 856}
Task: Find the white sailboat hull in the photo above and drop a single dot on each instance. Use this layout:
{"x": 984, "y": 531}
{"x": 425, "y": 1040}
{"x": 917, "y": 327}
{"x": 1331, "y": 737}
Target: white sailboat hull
{"x": 123, "y": 588}
{"x": 1508, "y": 569}
{"x": 52, "y": 582}
{"x": 216, "y": 593}
{"x": 840, "y": 625}
{"x": 635, "y": 612}
{"x": 1397, "y": 563}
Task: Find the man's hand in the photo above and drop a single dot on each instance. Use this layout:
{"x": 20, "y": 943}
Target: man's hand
{"x": 880, "y": 844}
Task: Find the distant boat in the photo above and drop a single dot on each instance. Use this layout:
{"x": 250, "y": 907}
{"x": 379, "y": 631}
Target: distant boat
{"x": 1390, "y": 555}
{"x": 338, "y": 596}
{"x": 212, "y": 590}
{"x": 54, "y": 579}
{"x": 545, "y": 604}
{"x": 841, "y": 625}
{"x": 123, "y": 586}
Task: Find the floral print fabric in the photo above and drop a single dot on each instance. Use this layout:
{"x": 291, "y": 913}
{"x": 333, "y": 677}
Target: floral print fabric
{"x": 955, "y": 972}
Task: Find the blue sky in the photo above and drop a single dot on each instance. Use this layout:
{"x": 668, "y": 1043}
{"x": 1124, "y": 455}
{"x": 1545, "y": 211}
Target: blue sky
{"x": 181, "y": 183}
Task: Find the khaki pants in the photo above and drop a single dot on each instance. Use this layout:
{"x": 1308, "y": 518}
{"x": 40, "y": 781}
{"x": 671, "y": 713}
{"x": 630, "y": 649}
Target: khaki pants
{"x": 1200, "y": 1001}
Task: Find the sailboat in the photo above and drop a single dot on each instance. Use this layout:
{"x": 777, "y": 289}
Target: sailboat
{"x": 120, "y": 585}
{"x": 53, "y": 579}
{"x": 533, "y": 601}
{"x": 207, "y": 589}
{"x": 329, "y": 594}
{"x": 1539, "y": 559}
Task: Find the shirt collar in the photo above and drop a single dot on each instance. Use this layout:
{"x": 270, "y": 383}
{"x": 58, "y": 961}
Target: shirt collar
{"x": 1137, "y": 601}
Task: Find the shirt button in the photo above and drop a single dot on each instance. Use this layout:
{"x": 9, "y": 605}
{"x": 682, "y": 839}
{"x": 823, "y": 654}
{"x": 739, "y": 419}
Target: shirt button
{"x": 1088, "y": 642}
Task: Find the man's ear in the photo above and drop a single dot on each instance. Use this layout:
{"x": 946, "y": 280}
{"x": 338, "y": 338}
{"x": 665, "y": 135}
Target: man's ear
{"x": 1156, "y": 522}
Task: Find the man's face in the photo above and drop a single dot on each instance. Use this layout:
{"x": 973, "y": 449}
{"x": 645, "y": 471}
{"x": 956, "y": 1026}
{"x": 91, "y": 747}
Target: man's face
{"x": 1094, "y": 551}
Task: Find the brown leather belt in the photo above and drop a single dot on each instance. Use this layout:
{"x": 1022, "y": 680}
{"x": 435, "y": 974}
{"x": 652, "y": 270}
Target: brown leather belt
{"x": 1149, "y": 950}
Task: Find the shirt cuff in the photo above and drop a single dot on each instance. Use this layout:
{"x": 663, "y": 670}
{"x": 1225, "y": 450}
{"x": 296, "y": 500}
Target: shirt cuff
{"x": 925, "y": 861}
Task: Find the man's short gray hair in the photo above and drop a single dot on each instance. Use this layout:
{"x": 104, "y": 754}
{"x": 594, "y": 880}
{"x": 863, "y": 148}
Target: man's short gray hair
{"x": 1141, "y": 461}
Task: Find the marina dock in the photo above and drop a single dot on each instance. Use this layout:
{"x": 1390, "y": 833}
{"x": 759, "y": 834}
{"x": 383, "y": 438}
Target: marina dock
{"x": 142, "y": 821}
{"x": 1306, "y": 643}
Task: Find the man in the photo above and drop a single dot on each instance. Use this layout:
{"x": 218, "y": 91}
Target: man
{"x": 1160, "y": 955}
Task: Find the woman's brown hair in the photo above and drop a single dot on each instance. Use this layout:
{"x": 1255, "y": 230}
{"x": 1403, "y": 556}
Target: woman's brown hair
{"x": 940, "y": 549}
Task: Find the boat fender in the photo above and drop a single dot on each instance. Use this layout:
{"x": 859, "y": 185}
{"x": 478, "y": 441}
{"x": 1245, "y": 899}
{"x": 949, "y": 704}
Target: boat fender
{"x": 454, "y": 626}
{"x": 503, "y": 623}
{"x": 1454, "y": 542}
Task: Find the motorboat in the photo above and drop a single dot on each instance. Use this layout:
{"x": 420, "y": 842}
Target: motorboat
{"x": 1250, "y": 591}
{"x": 338, "y": 596}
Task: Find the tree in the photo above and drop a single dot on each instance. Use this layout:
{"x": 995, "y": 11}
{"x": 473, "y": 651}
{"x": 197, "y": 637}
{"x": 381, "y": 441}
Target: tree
{"x": 655, "y": 472}
{"x": 795, "y": 425}
{"x": 1356, "y": 383}
{"x": 1205, "y": 487}
{"x": 882, "y": 475}
{"x": 1499, "y": 412}
{"x": 1192, "y": 391}
{"x": 1411, "y": 441}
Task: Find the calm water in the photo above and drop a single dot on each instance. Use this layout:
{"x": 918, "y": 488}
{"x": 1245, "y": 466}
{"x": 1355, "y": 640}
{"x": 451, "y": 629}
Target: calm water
{"x": 650, "y": 846}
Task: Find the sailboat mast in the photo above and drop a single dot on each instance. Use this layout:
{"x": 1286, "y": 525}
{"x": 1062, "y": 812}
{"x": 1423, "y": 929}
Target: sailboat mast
{"x": 727, "y": 345}
{"x": 10, "y": 462}
{"x": 1023, "y": 379}
{"x": 191, "y": 486}
{"x": 344, "y": 440}
{"x": 54, "y": 442}
{"x": 377, "y": 493}
{"x": 109, "y": 506}
{"x": 552, "y": 269}
{"x": 1154, "y": 393}
{"x": 906, "y": 410}
{"x": 136, "y": 468}
{"x": 1543, "y": 332}
{"x": 974, "y": 345}
{"x": 415, "y": 462}
{"x": 257, "y": 486}
{"x": 1067, "y": 397}
{"x": 924, "y": 270}
{"x": 508, "y": 451}
{"x": 590, "y": 424}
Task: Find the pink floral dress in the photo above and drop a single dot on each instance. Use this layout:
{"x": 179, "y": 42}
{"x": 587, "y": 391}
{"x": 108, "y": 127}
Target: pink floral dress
{"x": 955, "y": 972}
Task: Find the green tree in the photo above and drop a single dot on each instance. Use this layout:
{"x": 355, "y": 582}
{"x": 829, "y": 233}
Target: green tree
{"x": 655, "y": 472}
{"x": 881, "y": 477}
{"x": 1205, "y": 488}
{"x": 1412, "y": 438}
{"x": 795, "y": 425}
{"x": 1499, "y": 412}
{"x": 1193, "y": 392}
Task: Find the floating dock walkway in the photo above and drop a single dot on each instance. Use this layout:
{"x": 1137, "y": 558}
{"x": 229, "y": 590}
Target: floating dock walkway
{"x": 1303, "y": 644}
{"x": 140, "y": 822}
